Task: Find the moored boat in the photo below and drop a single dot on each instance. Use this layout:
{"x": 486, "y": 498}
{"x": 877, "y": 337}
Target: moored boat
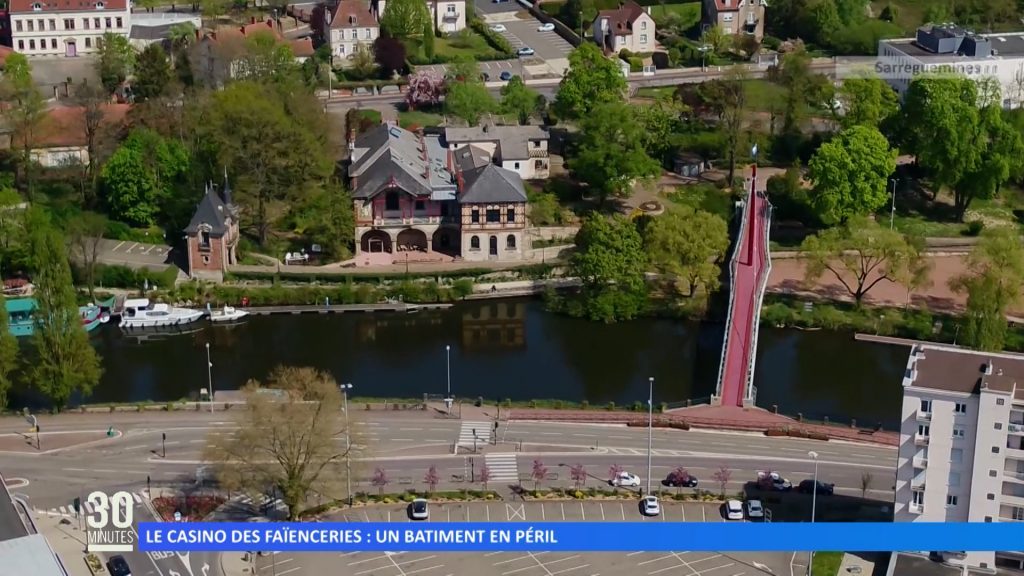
{"x": 93, "y": 316}
{"x": 226, "y": 315}
{"x": 141, "y": 313}
{"x": 19, "y": 316}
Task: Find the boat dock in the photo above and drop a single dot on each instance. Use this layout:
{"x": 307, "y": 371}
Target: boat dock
{"x": 341, "y": 308}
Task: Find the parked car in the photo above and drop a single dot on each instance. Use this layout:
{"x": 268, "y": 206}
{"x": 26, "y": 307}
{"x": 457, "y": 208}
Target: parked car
{"x": 680, "y": 481}
{"x": 499, "y": 28}
{"x": 526, "y": 51}
{"x": 546, "y": 27}
{"x": 626, "y": 480}
{"x": 118, "y": 566}
{"x": 807, "y": 487}
{"x": 773, "y": 481}
{"x": 733, "y": 510}
{"x": 649, "y": 506}
{"x": 418, "y": 509}
{"x": 754, "y": 510}
{"x": 505, "y": 76}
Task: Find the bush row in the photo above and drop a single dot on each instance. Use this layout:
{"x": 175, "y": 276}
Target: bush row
{"x": 114, "y": 276}
{"x": 529, "y": 272}
{"x": 796, "y": 433}
{"x": 496, "y": 41}
{"x": 423, "y": 291}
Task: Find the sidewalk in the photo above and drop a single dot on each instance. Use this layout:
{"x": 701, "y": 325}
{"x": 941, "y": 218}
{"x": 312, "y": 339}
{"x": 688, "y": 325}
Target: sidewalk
{"x": 25, "y": 442}
{"x": 67, "y": 540}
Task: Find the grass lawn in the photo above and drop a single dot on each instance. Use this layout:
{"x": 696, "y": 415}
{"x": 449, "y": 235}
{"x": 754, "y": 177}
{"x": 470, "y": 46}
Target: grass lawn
{"x": 827, "y": 563}
{"x": 763, "y": 96}
{"x": 465, "y": 43}
{"x": 704, "y": 196}
{"x": 415, "y": 118}
{"x": 917, "y": 215}
{"x": 688, "y": 12}
{"x": 656, "y": 92}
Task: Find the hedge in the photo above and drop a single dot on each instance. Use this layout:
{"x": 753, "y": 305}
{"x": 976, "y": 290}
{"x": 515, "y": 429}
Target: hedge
{"x": 530, "y": 271}
{"x": 497, "y": 41}
{"x": 114, "y": 276}
{"x": 796, "y": 433}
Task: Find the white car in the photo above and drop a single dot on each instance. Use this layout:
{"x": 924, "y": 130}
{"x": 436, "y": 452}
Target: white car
{"x": 418, "y": 509}
{"x": 526, "y": 51}
{"x": 549, "y": 27}
{"x": 754, "y": 509}
{"x": 734, "y": 510}
{"x": 626, "y": 480}
{"x": 649, "y": 506}
{"x": 499, "y": 28}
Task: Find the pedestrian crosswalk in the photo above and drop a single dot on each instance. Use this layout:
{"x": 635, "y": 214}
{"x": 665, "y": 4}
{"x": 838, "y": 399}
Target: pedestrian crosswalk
{"x": 643, "y": 452}
{"x": 85, "y": 507}
{"x": 475, "y": 433}
{"x": 503, "y": 467}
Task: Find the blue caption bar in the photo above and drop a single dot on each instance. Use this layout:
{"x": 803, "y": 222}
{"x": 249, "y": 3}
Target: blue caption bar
{"x": 578, "y": 537}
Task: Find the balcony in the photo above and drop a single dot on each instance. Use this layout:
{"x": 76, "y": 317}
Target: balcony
{"x": 921, "y": 440}
{"x": 920, "y": 462}
{"x": 1012, "y": 500}
{"x": 924, "y": 416}
{"x": 410, "y": 220}
{"x": 450, "y": 16}
{"x": 917, "y": 484}
{"x": 1016, "y": 428}
{"x": 916, "y": 508}
{"x": 1013, "y": 476}
{"x": 538, "y": 152}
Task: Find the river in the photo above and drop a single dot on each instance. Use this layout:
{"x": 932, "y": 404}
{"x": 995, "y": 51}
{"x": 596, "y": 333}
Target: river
{"x": 509, "y": 349}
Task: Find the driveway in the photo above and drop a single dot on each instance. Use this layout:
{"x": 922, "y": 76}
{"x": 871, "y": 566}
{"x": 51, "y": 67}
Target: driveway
{"x": 134, "y": 254}
{"x": 552, "y": 51}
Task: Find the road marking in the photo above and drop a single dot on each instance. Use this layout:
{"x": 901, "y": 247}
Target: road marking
{"x": 512, "y": 512}
{"x": 583, "y": 512}
{"x": 543, "y": 518}
{"x": 562, "y": 505}
{"x": 289, "y": 571}
{"x": 75, "y": 469}
{"x": 569, "y": 569}
{"x": 368, "y": 560}
{"x": 601, "y": 506}
{"x": 539, "y": 563}
{"x": 658, "y": 559}
{"x": 634, "y": 553}
{"x": 114, "y": 249}
{"x": 622, "y": 509}
{"x": 682, "y": 510}
{"x": 512, "y": 560}
{"x": 488, "y": 509}
{"x": 704, "y": 512}
{"x": 530, "y": 567}
{"x": 420, "y": 570}
{"x": 492, "y": 554}
{"x": 411, "y": 429}
{"x": 402, "y": 440}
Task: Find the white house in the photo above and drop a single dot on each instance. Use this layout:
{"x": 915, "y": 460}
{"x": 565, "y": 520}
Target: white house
{"x": 449, "y": 15}
{"x": 628, "y": 27}
{"x": 40, "y": 28}
{"x": 521, "y": 149}
{"x": 349, "y": 25}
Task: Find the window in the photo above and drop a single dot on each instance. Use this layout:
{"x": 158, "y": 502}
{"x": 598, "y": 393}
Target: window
{"x": 995, "y": 449}
{"x": 96, "y": 23}
{"x": 643, "y": 25}
{"x": 119, "y": 22}
{"x": 391, "y": 201}
{"x": 510, "y": 242}
{"x": 992, "y": 473}
{"x": 917, "y": 498}
{"x": 1017, "y": 513}
{"x": 21, "y": 44}
{"x": 451, "y": 8}
{"x": 69, "y": 23}
{"x": 53, "y": 43}
{"x": 988, "y": 518}
{"x": 1000, "y": 401}
{"x": 107, "y": 22}
{"x": 538, "y": 164}
{"x": 998, "y": 425}
{"x": 923, "y": 429}
{"x": 88, "y": 42}
{"x": 99, "y": 5}
{"x": 926, "y": 406}
{"x": 53, "y": 24}
{"x": 31, "y": 44}
{"x": 341, "y": 50}
{"x": 366, "y": 34}
{"x": 517, "y": 165}
{"x": 37, "y": 6}
{"x": 420, "y": 205}
{"x": 959, "y": 432}
{"x": 204, "y": 239}
{"x": 960, "y": 408}
{"x": 727, "y": 17}
{"x": 643, "y": 38}
{"x": 31, "y": 26}
{"x": 17, "y": 25}
{"x": 956, "y": 455}
{"x": 474, "y": 217}
{"x": 355, "y": 34}
{"x": 493, "y": 215}
{"x": 510, "y": 215}
{"x": 474, "y": 243}
{"x": 951, "y": 500}
{"x": 954, "y": 479}
{"x": 85, "y": 23}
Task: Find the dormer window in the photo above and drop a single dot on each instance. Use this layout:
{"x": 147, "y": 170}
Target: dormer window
{"x": 204, "y": 239}
{"x": 99, "y": 6}
{"x": 37, "y": 6}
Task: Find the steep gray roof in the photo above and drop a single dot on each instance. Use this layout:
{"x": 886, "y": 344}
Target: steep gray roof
{"x": 389, "y": 156}
{"x": 513, "y": 141}
{"x": 471, "y": 157}
{"x": 212, "y": 211}
{"x": 491, "y": 184}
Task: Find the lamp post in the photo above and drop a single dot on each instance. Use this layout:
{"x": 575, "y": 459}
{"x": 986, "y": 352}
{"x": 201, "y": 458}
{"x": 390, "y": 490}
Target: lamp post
{"x": 209, "y": 375}
{"x": 650, "y": 428}
{"x": 448, "y": 367}
{"x": 348, "y": 443}
{"x": 814, "y": 503}
{"x": 892, "y": 212}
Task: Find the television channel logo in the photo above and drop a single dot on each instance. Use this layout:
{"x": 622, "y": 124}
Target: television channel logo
{"x": 110, "y": 522}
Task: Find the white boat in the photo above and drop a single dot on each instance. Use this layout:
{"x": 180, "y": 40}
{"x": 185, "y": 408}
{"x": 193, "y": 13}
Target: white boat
{"x": 226, "y": 314}
{"x": 141, "y": 313}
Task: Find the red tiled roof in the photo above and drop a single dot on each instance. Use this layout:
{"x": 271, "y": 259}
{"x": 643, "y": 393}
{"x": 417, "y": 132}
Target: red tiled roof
{"x": 622, "y": 18}
{"x": 64, "y": 126}
{"x": 18, "y": 6}
{"x": 353, "y": 14}
{"x": 732, "y": 6}
{"x": 226, "y": 32}
{"x": 302, "y": 48}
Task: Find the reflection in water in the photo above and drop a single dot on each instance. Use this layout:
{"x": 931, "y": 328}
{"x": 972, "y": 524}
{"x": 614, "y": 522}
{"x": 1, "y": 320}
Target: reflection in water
{"x": 509, "y": 349}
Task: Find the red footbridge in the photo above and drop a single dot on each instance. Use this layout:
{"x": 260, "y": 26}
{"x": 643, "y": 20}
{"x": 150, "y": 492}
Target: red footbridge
{"x": 748, "y": 278}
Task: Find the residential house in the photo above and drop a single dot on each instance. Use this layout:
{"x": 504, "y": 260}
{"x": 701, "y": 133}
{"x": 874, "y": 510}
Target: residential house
{"x": 410, "y": 195}
{"x": 449, "y": 16}
{"x": 212, "y": 235}
{"x": 735, "y": 16}
{"x": 224, "y": 54}
{"x": 522, "y": 149}
{"x": 59, "y": 140}
{"x": 347, "y": 26}
{"x": 65, "y": 27}
{"x": 155, "y": 27}
{"x": 628, "y": 27}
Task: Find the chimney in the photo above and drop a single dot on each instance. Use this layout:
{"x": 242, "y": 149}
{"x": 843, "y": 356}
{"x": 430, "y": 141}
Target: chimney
{"x": 988, "y": 368}
{"x": 352, "y": 136}
{"x": 451, "y": 161}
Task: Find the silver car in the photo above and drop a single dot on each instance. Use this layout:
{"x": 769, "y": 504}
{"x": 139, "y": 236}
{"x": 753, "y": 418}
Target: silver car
{"x": 419, "y": 510}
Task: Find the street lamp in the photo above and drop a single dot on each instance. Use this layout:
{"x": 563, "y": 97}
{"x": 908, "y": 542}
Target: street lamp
{"x": 209, "y": 375}
{"x": 448, "y": 367}
{"x": 348, "y": 443}
{"x": 650, "y": 428}
{"x": 703, "y": 53}
{"x": 814, "y": 503}
{"x": 892, "y": 213}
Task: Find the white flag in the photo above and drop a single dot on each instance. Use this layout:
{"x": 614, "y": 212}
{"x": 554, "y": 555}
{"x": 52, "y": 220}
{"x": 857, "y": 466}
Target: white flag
{"x": 753, "y": 151}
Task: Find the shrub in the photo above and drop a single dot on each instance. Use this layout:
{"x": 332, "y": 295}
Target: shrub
{"x": 584, "y": 405}
{"x": 638, "y": 406}
{"x": 557, "y": 404}
{"x": 611, "y": 405}
{"x": 974, "y": 227}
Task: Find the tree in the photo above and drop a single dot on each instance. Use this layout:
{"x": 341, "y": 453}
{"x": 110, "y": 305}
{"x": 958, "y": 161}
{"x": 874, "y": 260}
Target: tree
{"x": 678, "y": 476}
{"x": 363, "y": 62}
{"x": 867, "y": 101}
{"x": 850, "y": 174}
{"x": 380, "y": 480}
{"x": 8, "y": 353}
{"x": 611, "y": 157}
{"x": 323, "y": 216}
{"x": 404, "y": 19}
{"x": 590, "y": 81}
{"x": 65, "y": 362}
{"x": 865, "y": 483}
{"x": 93, "y": 101}
{"x": 992, "y": 286}
{"x": 860, "y": 254}
{"x": 660, "y": 123}
{"x": 289, "y": 442}
{"x": 152, "y": 74}
{"x": 428, "y": 39}
{"x": 613, "y": 472}
{"x": 465, "y": 94}
{"x": 26, "y": 111}
{"x": 425, "y": 89}
{"x": 728, "y": 101}
{"x": 538, "y": 473}
{"x": 723, "y": 475}
{"x": 389, "y": 53}
{"x": 142, "y": 174}
{"x": 688, "y": 243}
{"x": 263, "y": 58}
{"x": 519, "y": 100}
{"x": 115, "y": 61}
{"x": 484, "y": 475}
{"x": 86, "y": 233}
{"x": 610, "y": 261}
{"x": 431, "y": 478}
{"x": 578, "y": 474}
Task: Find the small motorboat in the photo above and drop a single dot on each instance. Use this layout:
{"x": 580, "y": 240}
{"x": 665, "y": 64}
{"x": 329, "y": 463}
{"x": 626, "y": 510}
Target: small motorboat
{"x": 226, "y": 315}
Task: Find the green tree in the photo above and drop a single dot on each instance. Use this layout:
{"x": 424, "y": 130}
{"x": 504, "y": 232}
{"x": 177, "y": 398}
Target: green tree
{"x": 611, "y": 157}
{"x": 142, "y": 175}
{"x": 591, "y": 80}
{"x": 86, "y": 232}
{"x": 17, "y": 74}
{"x": 466, "y": 96}
{"x": 152, "y": 74}
{"x": 115, "y": 61}
{"x": 805, "y": 90}
{"x": 688, "y": 244}
{"x": 850, "y": 173}
{"x": 992, "y": 286}
{"x": 610, "y": 261}
{"x": 325, "y": 217}
{"x": 660, "y": 123}
{"x": 428, "y": 39}
{"x": 867, "y": 101}
{"x": 65, "y": 362}
{"x": 8, "y": 354}
{"x": 266, "y": 60}
{"x": 25, "y": 112}
{"x": 520, "y": 100}
{"x": 861, "y": 254}
{"x": 363, "y": 62}
{"x": 404, "y": 19}
{"x": 728, "y": 101}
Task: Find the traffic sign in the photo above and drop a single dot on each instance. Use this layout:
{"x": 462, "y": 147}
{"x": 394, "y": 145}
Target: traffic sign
{"x": 177, "y": 516}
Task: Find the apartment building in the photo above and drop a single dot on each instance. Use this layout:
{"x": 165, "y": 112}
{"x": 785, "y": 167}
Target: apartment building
{"x": 961, "y": 454}
{"x": 65, "y": 28}
{"x": 735, "y": 16}
{"x": 628, "y": 27}
{"x": 348, "y": 27}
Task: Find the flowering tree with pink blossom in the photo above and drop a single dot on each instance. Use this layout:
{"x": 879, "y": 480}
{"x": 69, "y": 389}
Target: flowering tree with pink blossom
{"x": 425, "y": 89}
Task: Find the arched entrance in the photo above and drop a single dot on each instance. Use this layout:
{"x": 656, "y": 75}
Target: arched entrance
{"x": 411, "y": 239}
{"x": 375, "y": 241}
{"x": 446, "y": 241}
{"x": 493, "y": 251}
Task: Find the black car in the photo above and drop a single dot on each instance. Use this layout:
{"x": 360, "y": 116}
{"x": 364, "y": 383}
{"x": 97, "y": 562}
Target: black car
{"x": 680, "y": 481}
{"x": 118, "y": 566}
{"x": 807, "y": 487}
